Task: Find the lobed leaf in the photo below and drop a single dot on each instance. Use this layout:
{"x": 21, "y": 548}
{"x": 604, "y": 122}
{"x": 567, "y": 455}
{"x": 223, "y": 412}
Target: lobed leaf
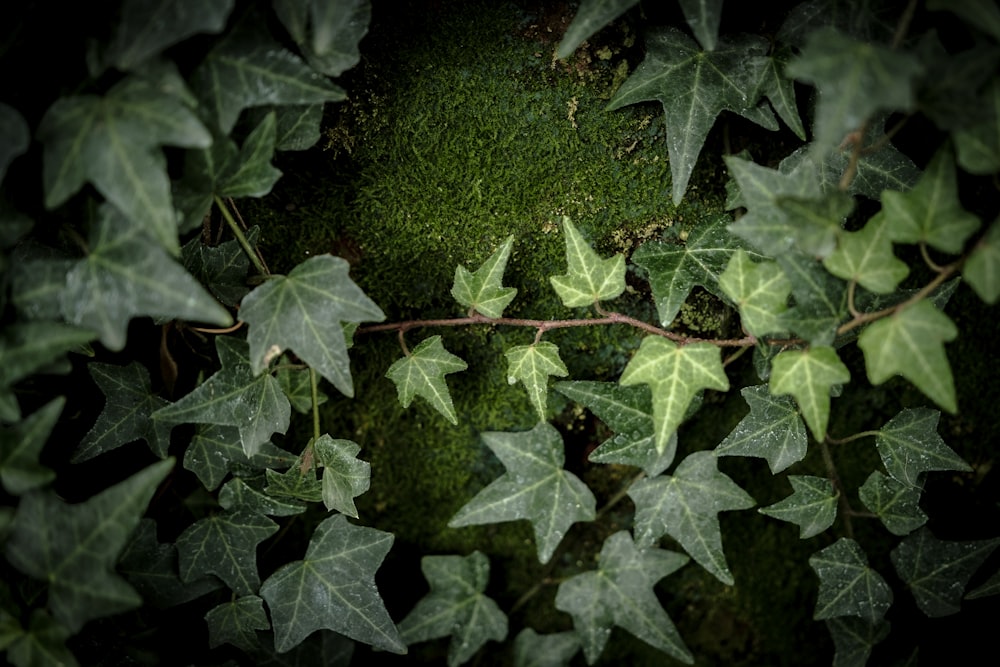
{"x": 552, "y": 650}
{"x": 820, "y": 299}
{"x": 866, "y": 257}
{"x": 483, "y": 290}
{"x": 216, "y": 450}
{"x": 236, "y": 622}
{"x": 151, "y": 568}
{"x": 760, "y": 291}
{"x": 589, "y": 278}
{"x": 532, "y": 365}
{"x": 422, "y": 372}
{"x": 809, "y": 375}
{"x": 225, "y": 545}
{"x": 703, "y": 17}
{"x": 328, "y": 33}
{"x": 854, "y": 639}
{"x": 589, "y": 18}
{"x": 248, "y": 494}
{"x": 909, "y": 445}
{"x": 896, "y": 504}
{"x": 344, "y": 475}
{"x": 21, "y": 445}
{"x": 982, "y": 269}
{"x": 222, "y": 269}
{"x": 773, "y": 430}
{"x": 847, "y": 585}
{"x": 780, "y": 89}
{"x": 812, "y": 507}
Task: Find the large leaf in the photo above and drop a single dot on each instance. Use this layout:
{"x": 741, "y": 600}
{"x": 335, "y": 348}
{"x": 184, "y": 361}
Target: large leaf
{"x": 674, "y": 375}
{"x": 532, "y": 365}
{"x": 686, "y": 506}
{"x": 21, "y": 445}
{"x": 620, "y": 592}
{"x": 535, "y": 487}
{"x": 74, "y": 548}
{"x": 760, "y": 291}
{"x": 236, "y": 622}
{"x": 694, "y": 86}
{"x": 590, "y": 17}
{"x": 588, "y": 278}
{"x": 847, "y": 585}
{"x": 225, "y": 545}
{"x": 866, "y": 257}
{"x": 303, "y": 312}
{"x": 982, "y": 269}
{"x": 345, "y": 476}
{"x": 482, "y": 290}
{"x": 552, "y": 650}
{"x": 909, "y": 445}
{"x": 773, "y": 430}
{"x": 897, "y": 505}
{"x": 333, "y": 588}
{"x": 809, "y": 375}
{"x": 327, "y": 31}
{"x": 813, "y": 506}
{"x": 456, "y": 607}
{"x": 421, "y": 373}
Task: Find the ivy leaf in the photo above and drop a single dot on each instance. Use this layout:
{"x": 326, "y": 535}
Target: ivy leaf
{"x": 590, "y": 17}
{"x": 297, "y": 483}
{"x": 127, "y": 413}
{"x": 216, "y": 450}
{"x": 44, "y": 643}
{"x": 535, "y": 487}
{"x": 780, "y": 90}
{"x": 333, "y": 588}
{"x": 303, "y": 311}
{"x": 931, "y": 212}
{"x": 820, "y": 299}
{"x": 21, "y": 445}
{"x": 225, "y": 545}
{"x": 847, "y": 585}
{"x": 222, "y": 268}
{"x": 147, "y": 27}
{"x": 866, "y": 257}
{"x": 125, "y": 276}
{"x": 74, "y": 548}
{"x": 251, "y": 174}
{"x": 909, "y": 445}
{"x": 532, "y": 365}
{"x": 760, "y": 291}
{"x": 982, "y": 269}
{"x": 703, "y": 17}
{"x": 937, "y": 571}
{"x": 989, "y": 587}
{"x": 26, "y": 348}
{"x": 978, "y": 147}
{"x": 234, "y": 397}
{"x": 482, "y": 290}
{"x": 456, "y": 607}
{"x": 422, "y": 374}
{"x": 978, "y": 13}
{"x": 896, "y": 504}
{"x": 344, "y": 475}
{"x": 297, "y": 385}
{"x": 15, "y": 136}
{"x": 812, "y": 507}
{"x": 236, "y": 622}
{"x": 298, "y": 125}
{"x": 552, "y": 650}
{"x": 694, "y": 86}
{"x": 686, "y": 507}
{"x": 674, "y": 269}
{"x": 773, "y": 430}
{"x": 674, "y": 375}
{"x": 910, "y": 343}
{"x": 589, "y": 278}
{"x": 628, "y": 411}
{"x": 814, "y": 223}
{"x": 854, "y": 639}
{"x": 809, "y": 375}
{"x": 620, "y": 592}
{"x": 327, "y": 32}
{"x": 248, "y": 494}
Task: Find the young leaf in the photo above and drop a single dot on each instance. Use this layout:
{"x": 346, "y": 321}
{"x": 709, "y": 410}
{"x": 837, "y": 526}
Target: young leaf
{"x": 296, "y": 483}
{"x": 344, "y": 475}
{"x": 854, "y": 639}
{"x": 909, "y": 445}
{"x": 809, "y": 375}
{"x": 674, "y": 375}
{"x": 590, "y": 17}
{"x": 303, "y": 312}
{"x": 820, "y": 299}
{"x": 982, "y": 269}
{"x": 333, "y": 588}
{"x": 247, "y": 493}
{"x": 422, "y": 374}
{"x": 686, "y": 507}
{"x": 760, "y": 291}
{"x": 236, "y": 622}
{"x": 482, "y": 290}
{"x": 896, "y": 504}
{"x": 847, "y": 585}
{"x": 216, "y": 450}
{"x": 532, "y": 365}
{"x": 535, "y": 487}
{"x": 866, "y": 257}
{"x": 21, "y": 445}
{"x": 328, "y": 36}
{"x": 252, "y": 174}
{"x": 780, "y": 90}
{"x": 773, "y": 430}
{"x": 589, "y": 278}
{"x": 978, "y": 147}
{"x": 620, "y": 592}
{"x": 813, "y": 506}
{"x": 910, "y": 343}
{"x": 74, "y": 548}
{"x": 225, "y": 545}
{"x": 694, "y": 87}
{"x": 937, "y": 571}
{"x": 552, "y": 650}
{"x": 456, "y": 607}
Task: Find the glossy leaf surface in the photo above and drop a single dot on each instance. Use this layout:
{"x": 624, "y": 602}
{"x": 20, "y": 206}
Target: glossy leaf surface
{"x": 532, "y": 365}
{"x": 848, "y": 586}
{"x": 809, "y": 375}
{"x": 909, "y": 445}
{"x": 225, "y": 545}
{"x": 773, "y": 430}
{"x": 422, "y": 372}
{"x": 344, "y": 475}
{"x": 812, "y": 507}
{"x": 896, "y": 504}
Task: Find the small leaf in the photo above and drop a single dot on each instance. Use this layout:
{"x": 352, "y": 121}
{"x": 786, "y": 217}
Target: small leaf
{"x": 813, "y": 506}
{"x": 854, "y": 639}
{"x": 456, "y": 607}
{"x": 236, "y": 622}
{"x": 978, "y": 147}
{"x": 590, "y": 17}
{"x": 216, "y": 450}
{"x": 535, "y": 487}
{"x": 686, "y": 507}
{"x": 225, "y": 545}
{"x": 809, "y": 375}
{"x": 329, "y": 33}
{"x": 780, "y": 89}
{"x": 248, "y": 494}
{"x": 532, "y": 365}
{"x": 297, "y": 385}
{"x": 847, "y": 585}
{"x": 910, "y": 343}
{"x": 896, "y": 504}
{"x": 222, "y": 268}
{"x": 147, "y": 27}
{"x": 333, "y": 588}
{"x": 483, "y": 290}
{"x": 937, "y": 571}
{"x": 814, "y": 223}
{"x": 760, "y": 291}
{"x": 43, "y": 644}
{"x": 298, "y": 124}
{"x": 344, "y": 475}
{"x": 620, "y": 592}
{"x": 909, "y": 445}
{"x": 866, "y": 257}
{"x": 773, "y": 430}
{"x": 674, "y": 375}
{"x": 589, "y": 278}
{"x": 20, "y": 446}
{"x": 15, "y": 136}
{"x": 982, "y": 269}
{"x": 296, "y": 483}
{"x": 552, "y": 650}
{"x": 252, "y": 174}
{"x": 820, "y": 299}
{"x": 422, "y": 374}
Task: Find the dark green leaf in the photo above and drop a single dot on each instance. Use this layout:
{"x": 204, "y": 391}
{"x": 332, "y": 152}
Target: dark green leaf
{"x": 814, "y": 223}
{"x": 225, "y": 545}
{"x": 896, "y": 504}
{"x": 248, "y": 494}
{"x": 989, "y": 587}
{"x": 590, "y": 17}
{"x": 14, "y": 136}
{"x": 222, "y": 268}
{"x": 422, "y": 372}
{"x": 297, "y": 385}
{"x": 345, "y": 476}
{"x": 813, "y": 506}
{"x": 820, "y": 299}
{"x": 588, "y": 278}
{"x": 780, "y": 90}
{"x": 147, "y": 27}
{"x": 37, "y": 285}
{"x": 703, "y": 17}
{"x": 981, "y": 14}
{"x": 236, "y": 622}
{"x": 151, "y": 567}
{"x": 214, "y": 451}
{"x": 532, "y": 365}
{"x": 978, "y": 147}
{"x": 847, "y": 585}
{"x": 254, "y": 176}
{"x": 854, "y": 638}
{"x": 43, "y": 644}
{"x": 482, "y": 290}
{"x": 297, "y": 483}
{"x": 327, "y": 31}
{"x": 552, "y": 650}
{"x": 909, "y": 445}
{"x": 982, "y": 269}
{"x": 20, "y": 447}
{"x": 773, "y": 430}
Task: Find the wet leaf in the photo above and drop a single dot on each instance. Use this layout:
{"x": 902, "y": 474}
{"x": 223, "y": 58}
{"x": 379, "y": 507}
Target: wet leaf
{"x": 909, "y": 445}
{"x": 813, "y": 506}
{"x": 215, "y": 450}
{"x": 847, "y": 585}
{"x": 344, "y": 475}
{"x": 532, "y": 365}
{"x": 225, "y": 545}
{"x": 482, "y": 290}
{"x": 20, "y": 446}
{"x": 222, "y": 269}
{"x": 760, "y": 291}
{"x": 780, "y": 89}
{"x": 589, "y": 278}
{"x": 236, "y": 622}
{"x": 866, "y": 257}
{"x": 896, "y": 504}
{"x": 809, "y": 375}
{"x": 247, "y": 493}
{"x": 773, "y": 430}
{"x": 422, "y": 372}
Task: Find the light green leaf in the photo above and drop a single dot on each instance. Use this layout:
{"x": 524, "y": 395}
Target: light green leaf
{"x": 773, "y": 430}
{"x": 15, "y": 136}
{"x": 422, "y": 374}
{"x": 780, "y": 90}
{"x": 590, "y": 17}
{"x": 620, "y": 592}
{"x": 552, "y": 650}
{"x": 236, "y": 622}
{"x": 866, "y": 256}
{"x": 482, "y": 290}
{"x": 74, "y": 548}
{"x": 978, "y": 147}
{"x": 234, "y": 397}
{"x": 327, "y": 31}
{"x": 760, "y": 291}
{"x": 248, "y": 494}
{"x": 910, "y": 343}
{"x": 896, "y": 504}
{"x": 931, "y": 212}
{"x": 685, "y": 506}
{"x": 847, "y": 585}
{"x": 344, "y": 475}
{"x": 20, "y": 446}
{"x": 303, "y": 312}
{"x": 589, "y": 278}
{"x": 982, "y": 269}
{"x": 333, "y": 588}
{"x": 909, "y": 445}
{"x": 535, "y": 487}
{"x": 981, "y": 14}
{"x": 854, "y": 639}
{"x": 532, "y": 365}
{"x": 43, "y": 644}
{"x": 222, "y": 269}
{"x": 937, "y": 571}
{"x": 225, "y": 545}
{"x": 124, "y": 276}
{"x": 674, "y": 375}
{"x": 820, "y": 299}
{"x": 813, "y": 506}
{"x": 456, "y": 607}
{"x": 147, "y": 27}
{"x": 809, "y": 375}
{"x": 216, "y": 450}
{"x": 694, "y": 87}
{"x": 251, "y": 174}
